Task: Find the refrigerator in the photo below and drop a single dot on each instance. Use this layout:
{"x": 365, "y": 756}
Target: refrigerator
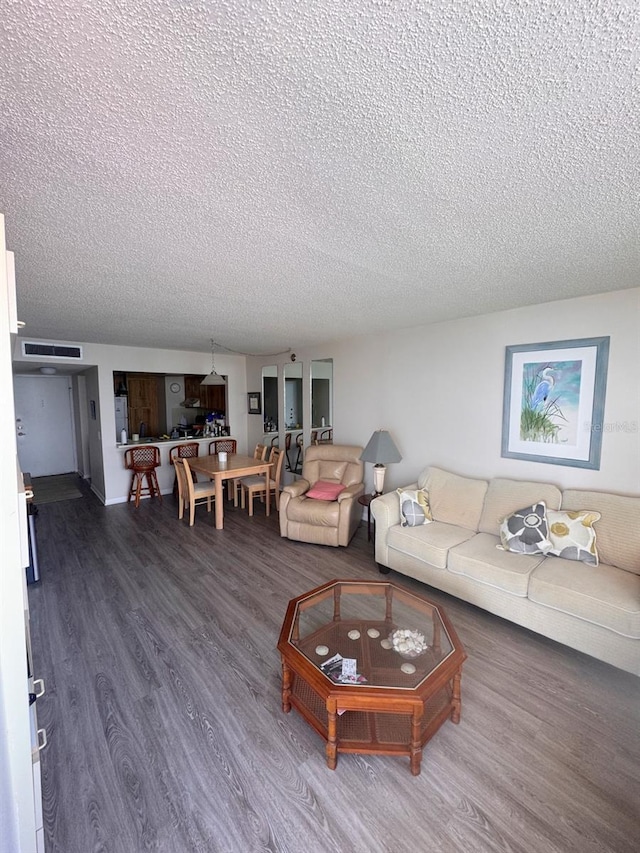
{"x": 122, "y": 418}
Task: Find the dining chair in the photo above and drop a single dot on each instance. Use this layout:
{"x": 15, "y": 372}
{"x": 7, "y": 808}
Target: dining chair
{"x": 184, "y": 451}
{"x": 260, "y": 452}
{"x": 143, "y": 461}
{"x": 191, "y": 494}
{"x": 255, "y": 485}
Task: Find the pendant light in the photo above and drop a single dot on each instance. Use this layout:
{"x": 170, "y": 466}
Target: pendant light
{"x": 213, "y": 378}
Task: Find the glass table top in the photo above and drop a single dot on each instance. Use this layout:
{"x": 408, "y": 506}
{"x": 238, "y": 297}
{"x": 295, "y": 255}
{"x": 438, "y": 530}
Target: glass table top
{"x": 397, "y": 639}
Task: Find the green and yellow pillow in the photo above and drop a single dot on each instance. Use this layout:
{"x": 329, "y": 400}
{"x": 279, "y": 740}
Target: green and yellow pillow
{"x": 572, "y": 535}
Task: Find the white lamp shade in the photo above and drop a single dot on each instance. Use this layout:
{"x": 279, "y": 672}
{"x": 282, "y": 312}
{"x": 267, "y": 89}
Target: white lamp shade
{"x": 214, "y": 378}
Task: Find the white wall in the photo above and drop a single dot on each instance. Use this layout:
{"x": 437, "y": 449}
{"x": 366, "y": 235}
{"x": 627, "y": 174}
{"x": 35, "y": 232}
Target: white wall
{"x": 439, "y": 390}
{"x": 80, "y": 419}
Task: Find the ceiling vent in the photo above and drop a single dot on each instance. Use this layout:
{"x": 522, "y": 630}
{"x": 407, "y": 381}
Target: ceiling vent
{"x": 34, "y": 350}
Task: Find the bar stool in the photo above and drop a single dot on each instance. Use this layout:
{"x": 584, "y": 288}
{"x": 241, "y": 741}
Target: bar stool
{"x": 297, "y": 468}
{"x": 227, "y": 445}
{"x": 287, "y": 450}
{"x": 184, "y": 451}
{"x": 143, "y": 461}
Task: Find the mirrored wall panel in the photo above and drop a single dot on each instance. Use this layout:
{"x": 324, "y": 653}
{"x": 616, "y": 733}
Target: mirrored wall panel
{"x": 322, "y": 399}
{"x": 293, "y": 417}
{"x": 270, "y": 398}
{"x": 293, "y": 396}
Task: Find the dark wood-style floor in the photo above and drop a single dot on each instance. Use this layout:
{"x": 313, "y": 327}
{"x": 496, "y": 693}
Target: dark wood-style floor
{"x": 165, "y": 729}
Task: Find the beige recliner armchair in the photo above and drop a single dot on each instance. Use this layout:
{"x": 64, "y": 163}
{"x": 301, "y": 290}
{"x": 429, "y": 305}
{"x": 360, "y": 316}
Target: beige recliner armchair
{"x": 324, "y": 522}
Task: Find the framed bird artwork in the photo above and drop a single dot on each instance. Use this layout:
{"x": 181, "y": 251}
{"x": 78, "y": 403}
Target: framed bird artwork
{"x": 554, "y": 396}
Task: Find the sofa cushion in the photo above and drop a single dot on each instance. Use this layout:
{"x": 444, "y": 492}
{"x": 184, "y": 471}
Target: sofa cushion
{"x": 618, "y": 530}
{"x": 604, "y": 596}
{"x": 428, "y": 542}
{"x": 453, "y": 499}
{"x": 506, "y": 496}
{"x": 321, "y": 513}
{"x": 480, "y": 558}
{"x": 526, "y": 531}
{"x": 414, "y": 507}
{"x": 572, "y": 535}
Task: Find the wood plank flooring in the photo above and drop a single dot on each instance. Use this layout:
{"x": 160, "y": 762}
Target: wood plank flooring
{"x": 165, "y": 729}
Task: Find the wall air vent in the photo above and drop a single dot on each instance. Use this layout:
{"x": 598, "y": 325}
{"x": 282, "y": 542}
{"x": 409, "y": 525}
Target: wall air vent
{"x": 35, "y": 350}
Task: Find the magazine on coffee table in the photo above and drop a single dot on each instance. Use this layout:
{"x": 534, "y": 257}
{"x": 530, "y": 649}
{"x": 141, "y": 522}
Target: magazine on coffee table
{"x": 342, "y": 670}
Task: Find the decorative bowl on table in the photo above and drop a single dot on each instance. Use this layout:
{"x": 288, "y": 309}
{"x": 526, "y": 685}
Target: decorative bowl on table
{"x": 408, "y": 643}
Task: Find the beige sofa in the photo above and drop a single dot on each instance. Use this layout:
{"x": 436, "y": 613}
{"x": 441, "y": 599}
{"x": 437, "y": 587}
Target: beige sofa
{"x": 595, "y": 609}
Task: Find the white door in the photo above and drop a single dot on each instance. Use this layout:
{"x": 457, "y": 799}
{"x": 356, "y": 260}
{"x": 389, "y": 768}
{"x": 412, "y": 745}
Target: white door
{"x": 44, "y": 425}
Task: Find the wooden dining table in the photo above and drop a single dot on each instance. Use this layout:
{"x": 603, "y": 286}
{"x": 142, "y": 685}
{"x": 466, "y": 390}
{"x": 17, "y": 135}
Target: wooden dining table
{"x": 235, "y": 466}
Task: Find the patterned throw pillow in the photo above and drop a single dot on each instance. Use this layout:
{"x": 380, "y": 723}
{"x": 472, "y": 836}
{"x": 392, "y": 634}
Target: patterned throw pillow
{"x": 572, "y": 535}
{"x": 526, "y": 531}
{"x": 414, "y": 507}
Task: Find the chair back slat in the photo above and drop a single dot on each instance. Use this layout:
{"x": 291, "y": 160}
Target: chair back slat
{"x": 184, "y": 451}
{"x": 226, "y": 445}
{"x": 145, "y": 456}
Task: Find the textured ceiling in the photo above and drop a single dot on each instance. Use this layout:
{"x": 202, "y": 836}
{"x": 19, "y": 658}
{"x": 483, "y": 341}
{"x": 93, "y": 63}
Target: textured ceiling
{"x": 275, "y": 174}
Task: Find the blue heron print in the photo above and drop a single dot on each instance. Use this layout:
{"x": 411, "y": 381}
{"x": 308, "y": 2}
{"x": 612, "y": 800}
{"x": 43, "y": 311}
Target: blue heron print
{"x": 550, "y": 396}
{"x": 543, "y": 388}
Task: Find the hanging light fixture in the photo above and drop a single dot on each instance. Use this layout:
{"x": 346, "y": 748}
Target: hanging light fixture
{"x": 213, "y": 378}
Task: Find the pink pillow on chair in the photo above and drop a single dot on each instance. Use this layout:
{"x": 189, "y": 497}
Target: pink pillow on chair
{"x": 322, "y": 491}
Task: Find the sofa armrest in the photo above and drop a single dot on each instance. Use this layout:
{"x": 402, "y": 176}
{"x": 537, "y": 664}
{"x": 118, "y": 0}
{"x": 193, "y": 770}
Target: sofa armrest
{"x": 297, "y": 488}
{"x": 292, "y": 490}
{"x": 386, "y": 513}
{"x": 351, "y": 492}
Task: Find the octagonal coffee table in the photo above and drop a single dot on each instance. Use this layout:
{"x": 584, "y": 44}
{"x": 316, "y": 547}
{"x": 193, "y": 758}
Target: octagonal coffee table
{"x": 406, "y": 678}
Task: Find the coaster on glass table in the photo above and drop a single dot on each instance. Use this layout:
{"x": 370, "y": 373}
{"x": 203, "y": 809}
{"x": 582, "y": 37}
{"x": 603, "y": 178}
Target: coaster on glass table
{"x": 408, "y": 668}
{"x": 373, "y": 633}
{"x": 354, "y": 635}
{"x": 322, "y": 650}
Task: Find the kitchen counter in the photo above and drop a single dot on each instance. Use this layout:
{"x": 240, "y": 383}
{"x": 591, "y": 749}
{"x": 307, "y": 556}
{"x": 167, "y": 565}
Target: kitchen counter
{"x": 163, "y": 441}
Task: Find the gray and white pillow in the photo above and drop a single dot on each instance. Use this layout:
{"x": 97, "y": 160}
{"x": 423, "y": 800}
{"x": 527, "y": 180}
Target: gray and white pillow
{"x": 526, "y": 531}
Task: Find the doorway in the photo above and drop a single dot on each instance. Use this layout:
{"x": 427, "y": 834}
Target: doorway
{"x": 44, "y": 425}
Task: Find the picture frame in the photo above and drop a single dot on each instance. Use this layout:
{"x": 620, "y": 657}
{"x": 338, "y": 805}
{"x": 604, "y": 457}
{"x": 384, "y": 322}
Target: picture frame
{"x": 254, "y": 403}
{"x": 553, "y": 406}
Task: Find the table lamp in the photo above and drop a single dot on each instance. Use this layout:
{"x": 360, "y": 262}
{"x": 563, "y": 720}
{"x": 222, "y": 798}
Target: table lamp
{"x": 380, "y": 450}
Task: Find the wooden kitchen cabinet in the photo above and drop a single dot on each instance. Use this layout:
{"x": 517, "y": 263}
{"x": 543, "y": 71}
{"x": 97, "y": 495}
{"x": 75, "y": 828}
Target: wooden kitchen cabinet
{"x": 213, "y": 398}
{"x": 216, "y": 398}
{"x": 143, "y": 403}
{"x": 192, "y": 388}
